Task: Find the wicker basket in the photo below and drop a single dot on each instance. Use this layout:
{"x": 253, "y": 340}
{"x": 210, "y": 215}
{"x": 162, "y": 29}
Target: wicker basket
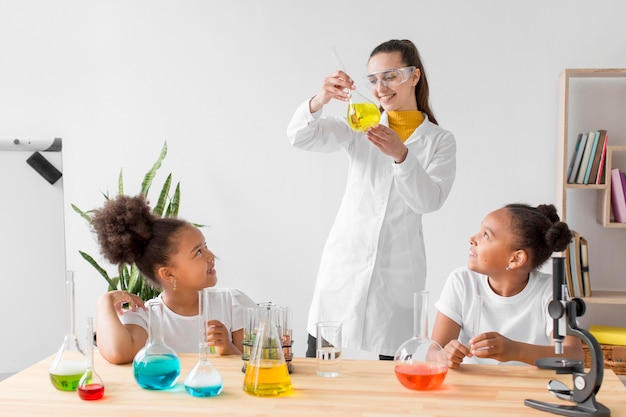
{"x": 614, "y": 358}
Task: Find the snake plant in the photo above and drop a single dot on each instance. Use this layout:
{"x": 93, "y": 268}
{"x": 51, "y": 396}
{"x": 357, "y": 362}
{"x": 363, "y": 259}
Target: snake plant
{"x": 129, "y": 278}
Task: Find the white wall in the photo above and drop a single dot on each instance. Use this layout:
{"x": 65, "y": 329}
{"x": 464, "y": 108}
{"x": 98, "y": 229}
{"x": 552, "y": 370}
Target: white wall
{"x": 220, "y": 80}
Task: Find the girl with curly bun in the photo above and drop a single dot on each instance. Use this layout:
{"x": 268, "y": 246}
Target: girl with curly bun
{"x": 503, "y": 291}
{"x": 172, "y": 254}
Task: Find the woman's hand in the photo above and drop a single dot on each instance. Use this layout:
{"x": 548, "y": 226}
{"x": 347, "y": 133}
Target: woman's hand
{"x": 336, "y": 86}
{"x": 455, "y": 352}
{"x": 388, "y": 142}
{"x": 218, "y": 336}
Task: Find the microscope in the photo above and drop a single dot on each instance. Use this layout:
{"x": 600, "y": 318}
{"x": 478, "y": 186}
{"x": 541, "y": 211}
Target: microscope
{"x": 586, "y": 385}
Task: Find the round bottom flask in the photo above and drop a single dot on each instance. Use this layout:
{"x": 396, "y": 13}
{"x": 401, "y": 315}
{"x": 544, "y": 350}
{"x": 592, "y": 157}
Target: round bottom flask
{"x": 420, "y": 363}
{"x": 156, "y": 366}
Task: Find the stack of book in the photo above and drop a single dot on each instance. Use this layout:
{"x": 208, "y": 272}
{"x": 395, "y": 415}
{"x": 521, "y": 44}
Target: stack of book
{"x": 577, "y": 267}
{"x": 618, "y": 195}
{"x": 587, "y": 161}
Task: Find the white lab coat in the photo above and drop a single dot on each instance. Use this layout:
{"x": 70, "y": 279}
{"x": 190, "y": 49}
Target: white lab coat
{"x": 374, "y": 258}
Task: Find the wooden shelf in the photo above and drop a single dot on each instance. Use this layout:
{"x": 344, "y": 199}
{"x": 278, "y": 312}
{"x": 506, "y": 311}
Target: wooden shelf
{"x": 602, "y": 192}
{"x": 606, "y": 297}
{"x": 606, "y": 216}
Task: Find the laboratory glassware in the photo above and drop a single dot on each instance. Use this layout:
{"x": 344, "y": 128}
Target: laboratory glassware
{"x": 156, "y": 366}
{"x": 70, "y": 362}
{"x": 420, "y": 363}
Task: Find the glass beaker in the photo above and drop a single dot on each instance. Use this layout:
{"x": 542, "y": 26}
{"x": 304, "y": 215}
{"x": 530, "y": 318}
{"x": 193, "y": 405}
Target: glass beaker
{"x": 70, "y": 362}
{"x": 420, "y": 363}
{"x": 266, "y": 372}
{"x": 90, "y": 386}
{"x": 283, "y": 326}
{"x": 203, "y": 380}
{"x": 156, "y": 366}
{"x": 363, "y": 113}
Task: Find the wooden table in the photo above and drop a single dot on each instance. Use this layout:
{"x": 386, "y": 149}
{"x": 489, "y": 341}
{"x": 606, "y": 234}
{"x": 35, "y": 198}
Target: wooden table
{"x": 366, "y": 388}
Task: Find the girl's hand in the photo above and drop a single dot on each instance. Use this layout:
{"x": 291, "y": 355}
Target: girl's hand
{"x": 456, "y": 351}
{"x": 218, "y": 337}
{"x": 388, "y": 142}
{"x": 120, "y": 299}
{"x": 336, "y": 86}
{"x": 493, "y": 345}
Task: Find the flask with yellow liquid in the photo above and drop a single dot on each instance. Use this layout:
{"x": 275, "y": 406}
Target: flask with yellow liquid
{"x": 362, "y": 112}
{"x": 267, "y": 374}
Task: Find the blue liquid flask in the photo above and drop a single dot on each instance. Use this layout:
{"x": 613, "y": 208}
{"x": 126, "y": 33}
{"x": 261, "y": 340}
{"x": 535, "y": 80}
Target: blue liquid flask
{"x": 156, "y": 366}
{"x": 203, "y": 380}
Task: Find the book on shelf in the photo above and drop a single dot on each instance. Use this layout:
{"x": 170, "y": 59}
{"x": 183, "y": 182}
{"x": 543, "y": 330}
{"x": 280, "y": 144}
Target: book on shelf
{"x": 598, "y": 158}
{"x": 574, "y": 263}
{"x": 577, "y": 266}
{"x": 576, "y": 157}
{"x": 592, "y": 157}
{"x": 572, "y": 160}
{"x": 569, "y": 269}
{"x": 584, "y": 267}
{"x": 618, "y": 199}
{"x": 582, "y": 170}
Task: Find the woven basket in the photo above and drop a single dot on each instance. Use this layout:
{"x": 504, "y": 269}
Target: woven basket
{"x": 614, "y": 358}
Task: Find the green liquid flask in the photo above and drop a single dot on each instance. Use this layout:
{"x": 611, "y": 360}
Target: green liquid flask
{"x": 70, "y": 362}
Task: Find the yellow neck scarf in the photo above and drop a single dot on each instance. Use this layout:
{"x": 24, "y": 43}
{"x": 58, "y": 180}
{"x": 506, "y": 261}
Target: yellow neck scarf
{"x": 405, "y": 122}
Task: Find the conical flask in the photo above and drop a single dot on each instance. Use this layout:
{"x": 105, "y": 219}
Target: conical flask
{"x": 267, "y": 373}
{"x": 90, "y": 386}
{"x": 420, "y": 363}
{"x": 362, "y": 113}
{"x": 156, "y": 366}
{"x": 69, "y": 364}
{"x": 203, "y": 380}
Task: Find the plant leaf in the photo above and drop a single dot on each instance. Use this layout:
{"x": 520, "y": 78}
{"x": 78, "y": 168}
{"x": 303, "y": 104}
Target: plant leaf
{"x": 120, "y": 184}
{"x": 172, "y": 208}
{"x": 158, "y": 209}
{"x": 84, "y": 214}
{"x": 93, "y": 263}
{"x": 134, "y": 281}
{"x": 147, "y": 179}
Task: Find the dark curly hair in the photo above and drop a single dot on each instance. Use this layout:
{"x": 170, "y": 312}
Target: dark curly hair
{"x": 539, "y": 231}
{"x": 128, "y": 232}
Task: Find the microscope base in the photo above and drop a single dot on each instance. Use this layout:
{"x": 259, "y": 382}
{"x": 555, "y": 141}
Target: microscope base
{"x": 588, "y": 408}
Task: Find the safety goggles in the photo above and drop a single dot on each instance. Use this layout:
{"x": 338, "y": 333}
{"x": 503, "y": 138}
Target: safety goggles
{"x": 389, "y": 78}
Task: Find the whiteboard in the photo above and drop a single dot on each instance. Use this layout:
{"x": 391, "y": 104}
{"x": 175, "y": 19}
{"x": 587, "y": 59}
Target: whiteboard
{"x": 32, "y": 254}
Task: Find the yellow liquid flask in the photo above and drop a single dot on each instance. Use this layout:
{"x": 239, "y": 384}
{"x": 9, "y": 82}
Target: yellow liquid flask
{"x": 362, "y": 115}
{"x": 267, "y": 374}
{"x": 362, "y": 112}
{"x": 70, "y": 362}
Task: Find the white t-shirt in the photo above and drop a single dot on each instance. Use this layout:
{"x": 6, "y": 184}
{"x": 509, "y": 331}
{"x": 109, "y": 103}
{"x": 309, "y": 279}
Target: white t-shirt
{"x": 523, "y": 317}
{"x": 181, "y": 333}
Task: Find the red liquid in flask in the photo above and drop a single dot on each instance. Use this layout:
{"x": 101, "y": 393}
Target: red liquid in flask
{"x": 91, "y": 391}
{"x": 422, "y": 376}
